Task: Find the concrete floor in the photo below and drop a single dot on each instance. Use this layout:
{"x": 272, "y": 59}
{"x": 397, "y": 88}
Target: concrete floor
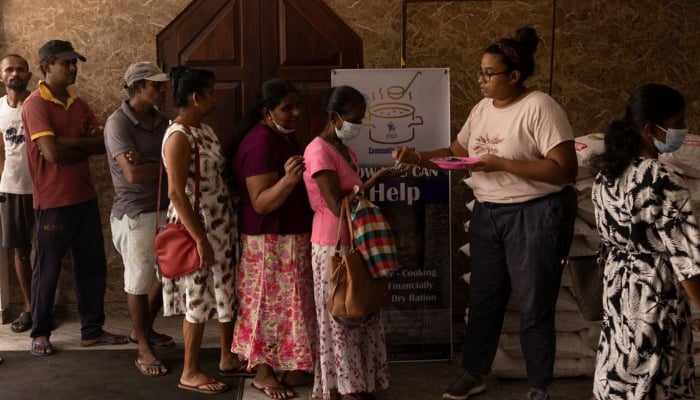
{"x": 414, "y": 380}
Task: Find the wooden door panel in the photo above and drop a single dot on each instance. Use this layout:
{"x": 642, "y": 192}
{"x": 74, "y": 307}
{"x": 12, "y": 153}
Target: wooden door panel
{"x": 213, "y": 34}
{"x": 225, "y": 25}
{"x": 313, "y": 119}
{"x": 310, "y": 41}
{"x": 247, "y": 42}
{"x": 302, "y": 45}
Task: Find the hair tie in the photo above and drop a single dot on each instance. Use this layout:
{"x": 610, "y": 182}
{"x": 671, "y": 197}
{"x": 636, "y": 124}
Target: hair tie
{"x": 509, "y": 52}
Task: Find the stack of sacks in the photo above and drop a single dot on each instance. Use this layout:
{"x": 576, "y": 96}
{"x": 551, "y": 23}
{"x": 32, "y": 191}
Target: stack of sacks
{"x": 577, "y": 340}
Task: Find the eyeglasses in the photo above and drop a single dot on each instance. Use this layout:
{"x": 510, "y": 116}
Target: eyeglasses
{"x": 487, "y": 75}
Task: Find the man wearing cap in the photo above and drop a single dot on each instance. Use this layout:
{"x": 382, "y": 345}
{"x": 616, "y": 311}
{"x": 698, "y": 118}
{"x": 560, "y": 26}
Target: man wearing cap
{"x": 61, "y": 133}
{"x": 133, "y": 137}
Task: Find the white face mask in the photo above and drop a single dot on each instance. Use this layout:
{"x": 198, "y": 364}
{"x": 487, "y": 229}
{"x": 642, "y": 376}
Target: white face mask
{"x": 674, "y": 139}
{"x": 348, "y": 131}
{"x": 280, "y": 128}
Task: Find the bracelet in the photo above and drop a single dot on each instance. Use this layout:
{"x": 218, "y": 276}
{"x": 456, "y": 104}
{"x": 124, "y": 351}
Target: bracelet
{"x": 419, "y": 159}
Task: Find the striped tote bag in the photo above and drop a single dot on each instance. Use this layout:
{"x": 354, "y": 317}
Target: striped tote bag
{"x": 375, "y": 240}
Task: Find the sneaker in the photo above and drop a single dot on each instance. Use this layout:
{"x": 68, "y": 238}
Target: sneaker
{"x": 537, "y": 395}
{"x": 463, "y": 387}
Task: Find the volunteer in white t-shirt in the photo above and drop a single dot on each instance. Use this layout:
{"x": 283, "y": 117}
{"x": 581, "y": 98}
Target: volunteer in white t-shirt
{"x": 16, "y": 211}
{"x": 522, "y": 222}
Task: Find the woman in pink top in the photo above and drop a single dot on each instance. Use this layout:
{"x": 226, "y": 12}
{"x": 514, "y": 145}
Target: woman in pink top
{"x": 352, "y": 362}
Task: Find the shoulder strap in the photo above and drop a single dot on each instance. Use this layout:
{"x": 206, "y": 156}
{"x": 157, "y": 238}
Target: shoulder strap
{"x": 345, "y": 219}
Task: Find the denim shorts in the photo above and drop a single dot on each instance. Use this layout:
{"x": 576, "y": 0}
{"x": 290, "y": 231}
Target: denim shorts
{"x": 133, "y": 239}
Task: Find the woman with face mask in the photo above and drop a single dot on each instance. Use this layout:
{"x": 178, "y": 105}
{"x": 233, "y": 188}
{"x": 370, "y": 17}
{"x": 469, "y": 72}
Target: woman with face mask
{"x": 276, "y": 324}
{"x": 644, "y": 216}
{"x": 352, "y": 361}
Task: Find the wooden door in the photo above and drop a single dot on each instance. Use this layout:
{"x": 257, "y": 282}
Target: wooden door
{"x": 246, "y": 42}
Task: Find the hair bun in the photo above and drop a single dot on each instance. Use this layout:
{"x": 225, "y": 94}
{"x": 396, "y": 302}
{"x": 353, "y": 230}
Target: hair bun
{"x": 527, "y": 36}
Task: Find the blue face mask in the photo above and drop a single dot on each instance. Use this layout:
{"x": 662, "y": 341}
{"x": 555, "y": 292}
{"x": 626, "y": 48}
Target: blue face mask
{"x": 674, "y": 139}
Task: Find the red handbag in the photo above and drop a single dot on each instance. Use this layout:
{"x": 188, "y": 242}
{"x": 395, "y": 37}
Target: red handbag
{"x": 175, "y": 248}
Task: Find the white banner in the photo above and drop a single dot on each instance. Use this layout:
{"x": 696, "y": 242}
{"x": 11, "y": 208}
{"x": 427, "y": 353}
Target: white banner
{"x": 405, "y": 107}
{"x": 410, "y": 107}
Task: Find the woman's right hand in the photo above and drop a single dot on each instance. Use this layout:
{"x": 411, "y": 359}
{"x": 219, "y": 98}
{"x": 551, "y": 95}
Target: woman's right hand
{"x": 294, "y": 168}
{"x": 404, "y": 155}
{"x": 206, "y": 253}
{"x": 401, "y": 154}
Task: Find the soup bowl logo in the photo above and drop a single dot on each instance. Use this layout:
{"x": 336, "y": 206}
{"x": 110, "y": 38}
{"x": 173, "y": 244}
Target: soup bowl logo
{"x": 392, "y": 123}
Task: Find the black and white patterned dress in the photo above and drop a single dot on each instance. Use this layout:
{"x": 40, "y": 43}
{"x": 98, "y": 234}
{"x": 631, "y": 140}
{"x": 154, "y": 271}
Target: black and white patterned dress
{"x": 645, "y": 349}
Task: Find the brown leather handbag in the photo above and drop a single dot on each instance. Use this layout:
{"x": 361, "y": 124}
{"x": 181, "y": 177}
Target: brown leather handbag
{"x": 354, "y": 295}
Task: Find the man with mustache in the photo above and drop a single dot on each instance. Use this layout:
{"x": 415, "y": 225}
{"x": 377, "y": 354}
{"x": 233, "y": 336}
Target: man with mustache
{"x": 62, "y": 132}
{"x": 16, "y": 212}
{"x": 133, "y": 137}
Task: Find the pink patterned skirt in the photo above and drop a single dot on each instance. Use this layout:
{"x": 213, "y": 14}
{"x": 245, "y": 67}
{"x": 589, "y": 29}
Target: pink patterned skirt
{"x": 276, "y": 322}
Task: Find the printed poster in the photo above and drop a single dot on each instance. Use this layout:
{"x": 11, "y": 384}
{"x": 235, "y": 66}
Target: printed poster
{"x": 410, "y": 107}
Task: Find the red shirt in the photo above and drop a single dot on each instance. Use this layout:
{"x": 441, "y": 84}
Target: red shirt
{"x": 57, "y": 185}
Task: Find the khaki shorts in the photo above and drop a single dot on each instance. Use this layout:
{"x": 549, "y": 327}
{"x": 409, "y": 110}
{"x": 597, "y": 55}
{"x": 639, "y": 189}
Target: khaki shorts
{"x": 133, "y": 239}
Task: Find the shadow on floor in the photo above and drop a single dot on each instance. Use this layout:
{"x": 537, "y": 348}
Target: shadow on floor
{"x": 99, "y": 375}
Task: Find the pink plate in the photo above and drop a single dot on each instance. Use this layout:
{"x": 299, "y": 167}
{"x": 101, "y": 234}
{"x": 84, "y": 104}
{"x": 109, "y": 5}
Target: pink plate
{"x": 454, "y": 162}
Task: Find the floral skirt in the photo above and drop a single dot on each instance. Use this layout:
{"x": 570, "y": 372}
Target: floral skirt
{"x": 276, "y": 324}
{"x": 351, "y": 360}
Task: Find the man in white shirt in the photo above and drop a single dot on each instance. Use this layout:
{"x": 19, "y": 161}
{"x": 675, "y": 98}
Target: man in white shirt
{"x": 16, "y": 212}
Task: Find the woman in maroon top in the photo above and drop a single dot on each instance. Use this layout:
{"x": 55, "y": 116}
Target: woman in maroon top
{"x": 276, "y": 325}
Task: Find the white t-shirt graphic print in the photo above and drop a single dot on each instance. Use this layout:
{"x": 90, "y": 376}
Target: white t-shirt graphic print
{"x": 15, "y": 176}
{"x": 526, "y": 130}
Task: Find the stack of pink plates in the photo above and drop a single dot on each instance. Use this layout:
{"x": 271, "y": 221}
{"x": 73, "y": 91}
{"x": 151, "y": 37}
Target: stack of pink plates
{"x": 454, "y": 162}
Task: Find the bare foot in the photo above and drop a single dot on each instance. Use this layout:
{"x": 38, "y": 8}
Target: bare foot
{"x": 297, "y": 378}
{"x": 266, "y": 381}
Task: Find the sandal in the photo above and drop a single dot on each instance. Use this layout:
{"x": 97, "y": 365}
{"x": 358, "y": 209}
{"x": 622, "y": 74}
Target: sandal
{"x": 153, "y": 368}
{"x": 210, "y": 386}
{"x": 276, "y": 393}
{"x": 41, "y": 349}
{"x": 104, "y": 339}
{"x": 241, "y": 371}
{"x": 22, "y": 323}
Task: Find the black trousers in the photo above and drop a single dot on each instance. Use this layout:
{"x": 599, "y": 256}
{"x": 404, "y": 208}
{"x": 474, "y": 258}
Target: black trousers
{"x": 76, "y": 228}
{"x": 517, "y": 248}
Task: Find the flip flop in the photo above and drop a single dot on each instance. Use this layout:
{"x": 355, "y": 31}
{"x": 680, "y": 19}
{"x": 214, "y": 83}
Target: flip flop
{"x": 154, "y": 368}
{"x": 211, "y": 386}
{"x": 46, "y": 349}
{"x": 283, "y": 391}
{"x": 241, "y": 371}
{"x": 105, "y": 339}
{"x": 157, "y": 340}
{"x": 22, "y": 323}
